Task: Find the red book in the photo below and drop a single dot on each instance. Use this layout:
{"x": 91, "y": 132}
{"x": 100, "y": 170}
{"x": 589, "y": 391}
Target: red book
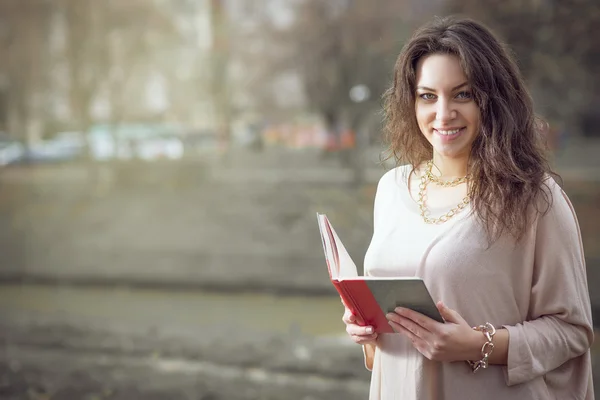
{"x": 371, "y": 298}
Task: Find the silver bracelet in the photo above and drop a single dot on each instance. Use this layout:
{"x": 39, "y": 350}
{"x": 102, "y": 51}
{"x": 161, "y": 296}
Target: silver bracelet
{"x": 488, "y": 347}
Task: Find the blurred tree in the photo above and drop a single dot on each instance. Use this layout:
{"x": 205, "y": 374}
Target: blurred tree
{"x": 335, "y": 46}
{"x": 556, "y": 48}
{"x": 86, "y": 55}
{"x": 100, "y": 45}
{"x": 220, "y": 84}
{"x": 107, "y": 43}
{"x": 24, "y": 37}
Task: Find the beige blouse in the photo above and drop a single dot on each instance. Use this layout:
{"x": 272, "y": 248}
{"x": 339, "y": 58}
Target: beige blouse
{"x": 536, "y": 289}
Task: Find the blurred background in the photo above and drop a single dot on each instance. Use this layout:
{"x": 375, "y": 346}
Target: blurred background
{"x": 162, "y": 162}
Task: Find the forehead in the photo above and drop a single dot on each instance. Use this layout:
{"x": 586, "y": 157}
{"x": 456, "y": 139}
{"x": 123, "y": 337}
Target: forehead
{"x": 440, "y": 72}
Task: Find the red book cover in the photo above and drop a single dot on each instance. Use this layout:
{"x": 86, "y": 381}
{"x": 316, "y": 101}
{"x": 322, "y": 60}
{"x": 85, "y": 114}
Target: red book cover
{"x": 357, "y": 296}
{"x": 371, "y": 298}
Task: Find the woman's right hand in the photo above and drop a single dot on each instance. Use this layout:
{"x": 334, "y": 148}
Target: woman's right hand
{"x": 359, "y": 334}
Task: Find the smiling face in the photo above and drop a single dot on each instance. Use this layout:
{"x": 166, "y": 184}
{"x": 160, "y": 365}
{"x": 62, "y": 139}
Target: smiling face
{"x": 445, "y": 109}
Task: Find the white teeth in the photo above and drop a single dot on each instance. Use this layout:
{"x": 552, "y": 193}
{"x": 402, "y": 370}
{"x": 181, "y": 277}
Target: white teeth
{"x": 452, "y": 132}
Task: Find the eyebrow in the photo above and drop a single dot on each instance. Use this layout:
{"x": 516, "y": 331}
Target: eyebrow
{"x": 453, "y": 89}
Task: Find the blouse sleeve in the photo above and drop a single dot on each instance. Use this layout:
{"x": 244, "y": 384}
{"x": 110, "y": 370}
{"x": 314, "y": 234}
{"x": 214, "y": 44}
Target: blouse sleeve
{"x": 559, "y": 326}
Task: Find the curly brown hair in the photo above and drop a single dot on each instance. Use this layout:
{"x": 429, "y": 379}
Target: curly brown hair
{"x": 507, "y": 163}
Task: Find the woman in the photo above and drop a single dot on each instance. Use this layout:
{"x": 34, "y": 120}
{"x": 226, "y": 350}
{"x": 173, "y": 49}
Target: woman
{"x": 476, "y": 214}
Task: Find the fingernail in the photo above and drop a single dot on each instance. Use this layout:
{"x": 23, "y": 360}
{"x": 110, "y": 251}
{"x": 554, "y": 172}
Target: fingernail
{"x": 393, "y": 328}
{"x": 399, "y": 310}
{"x": 369, "y": 330}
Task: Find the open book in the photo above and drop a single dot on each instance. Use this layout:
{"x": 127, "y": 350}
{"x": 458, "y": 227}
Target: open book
{"x": 371, "y": 298}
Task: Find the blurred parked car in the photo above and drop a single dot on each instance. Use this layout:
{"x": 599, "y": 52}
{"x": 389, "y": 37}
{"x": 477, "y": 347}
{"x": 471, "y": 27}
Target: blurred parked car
{"x": 70, "y": 142}
{"x": 11, "y": 151}
{"x": 135, "y": 141}
{"x": 64, "y": 146}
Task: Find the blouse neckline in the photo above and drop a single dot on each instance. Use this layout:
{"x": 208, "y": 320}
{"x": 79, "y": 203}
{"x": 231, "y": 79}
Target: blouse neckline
{"x": 402, "y": 179}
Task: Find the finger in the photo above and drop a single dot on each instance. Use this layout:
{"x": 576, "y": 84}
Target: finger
{"x": 402, "y": 330}
{"x": 358, "y": 330}
{"x": 449, "y": 314}
{"x": 416, "y": 329}
{"x": 348, "y": 317}
{"x": 351, "y": 317}
{"x": 419, "y": 344}
{"x": 357, "y": 319}
{"x": 419, "y": 319}
{"x": 364, "y": 339}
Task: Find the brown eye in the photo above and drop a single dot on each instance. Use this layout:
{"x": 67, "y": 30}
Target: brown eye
{"x": 464, "y": 95}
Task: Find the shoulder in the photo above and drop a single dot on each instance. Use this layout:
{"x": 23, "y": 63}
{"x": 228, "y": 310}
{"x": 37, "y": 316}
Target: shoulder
{"x": 394, "y": 177}
{"x": 390, "y": 184}
{"x": 555, "y": 204}
{"x": 554, "y": 193}
{"x": 389, "y": 187}
{"x": 550, "y": 185}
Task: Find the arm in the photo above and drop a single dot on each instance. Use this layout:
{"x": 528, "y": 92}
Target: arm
{"x": 369, "y": 352}
{"x": 454, "y": 340}
{"x": 500, "y": 354}
{"x": 558, "y": 326}
{"x": 560, "y": 323}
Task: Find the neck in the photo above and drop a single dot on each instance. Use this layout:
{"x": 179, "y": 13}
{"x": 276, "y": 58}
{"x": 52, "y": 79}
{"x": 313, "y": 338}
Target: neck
{"x": 449, "y": 167}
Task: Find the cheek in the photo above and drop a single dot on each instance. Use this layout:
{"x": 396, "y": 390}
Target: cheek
{"x": 473, "y": 115}
{"x": 423, "y": 116}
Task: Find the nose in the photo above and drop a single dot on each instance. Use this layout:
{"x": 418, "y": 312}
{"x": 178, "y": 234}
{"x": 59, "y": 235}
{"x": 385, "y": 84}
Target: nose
{"x": 444, "y": 111}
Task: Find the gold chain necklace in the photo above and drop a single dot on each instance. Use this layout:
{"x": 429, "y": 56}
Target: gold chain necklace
{"x": 426, "y": 179}
{"x": 432, "y": 178}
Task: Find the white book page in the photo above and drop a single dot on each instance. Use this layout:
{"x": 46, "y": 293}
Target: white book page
{"x": 328, "y": 247}
{"x": 346, "y": 266}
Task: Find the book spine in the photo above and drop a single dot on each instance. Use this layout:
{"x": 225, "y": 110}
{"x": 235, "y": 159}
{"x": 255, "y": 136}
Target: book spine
{"x": 349, "y": 301}
{"x": 370, "y": 311}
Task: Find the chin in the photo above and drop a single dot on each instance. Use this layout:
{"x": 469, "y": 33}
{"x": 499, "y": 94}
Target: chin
{"x": 452, "y": 150}
{"x": 450, "y": 153}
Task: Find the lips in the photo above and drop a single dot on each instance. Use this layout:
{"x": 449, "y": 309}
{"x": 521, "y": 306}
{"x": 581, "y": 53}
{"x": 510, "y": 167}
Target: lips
{"x": 449, "y": 132}
{"x": 449, "y": 135}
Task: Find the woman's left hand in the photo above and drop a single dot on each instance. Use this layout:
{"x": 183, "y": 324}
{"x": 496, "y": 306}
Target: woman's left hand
{"x": 454, "y": 340}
